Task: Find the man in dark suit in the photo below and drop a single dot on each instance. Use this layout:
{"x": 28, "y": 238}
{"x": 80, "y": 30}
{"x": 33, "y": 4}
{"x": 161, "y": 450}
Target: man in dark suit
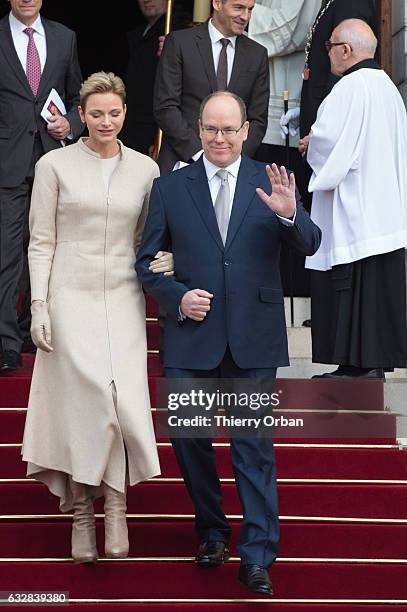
{"x": 197, "y": 61}
{"x": 226, "y": 313}
{"x": 36, "y": 55}
{"x": 140, "y": 129}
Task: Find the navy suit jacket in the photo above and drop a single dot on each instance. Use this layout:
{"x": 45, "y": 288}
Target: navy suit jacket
{"x": 247, "y": 310}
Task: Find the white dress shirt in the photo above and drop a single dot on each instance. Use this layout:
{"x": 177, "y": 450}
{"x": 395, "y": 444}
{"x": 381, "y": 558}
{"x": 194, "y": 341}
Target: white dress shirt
{"x": 216, "y": 37}
{"x": 20, "y": 40}
{"x": 214, "y": 181}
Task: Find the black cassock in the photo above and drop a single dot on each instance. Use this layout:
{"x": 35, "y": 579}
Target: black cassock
{"x": 359, "y": 313}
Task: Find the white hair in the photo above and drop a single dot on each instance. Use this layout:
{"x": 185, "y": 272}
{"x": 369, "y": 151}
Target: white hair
{"x": 361, "y": 39}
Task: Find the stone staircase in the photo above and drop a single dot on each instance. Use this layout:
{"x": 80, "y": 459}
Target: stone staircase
{"x": 299, "y": 343}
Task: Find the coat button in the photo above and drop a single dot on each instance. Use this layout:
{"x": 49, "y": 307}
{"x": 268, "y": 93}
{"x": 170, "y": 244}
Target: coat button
{"x": 227, "y": 263}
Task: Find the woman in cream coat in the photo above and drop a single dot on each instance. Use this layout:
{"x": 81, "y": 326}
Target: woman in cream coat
{"x": 89, "y": 429}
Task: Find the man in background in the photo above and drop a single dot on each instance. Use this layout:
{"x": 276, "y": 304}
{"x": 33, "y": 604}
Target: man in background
{"x": 36, "y": 55}
{"x": 140, "y": 129}
{"x": 317, "y": 79}
{"x": 198, "y": 61}
{"x": 358, "y": 152}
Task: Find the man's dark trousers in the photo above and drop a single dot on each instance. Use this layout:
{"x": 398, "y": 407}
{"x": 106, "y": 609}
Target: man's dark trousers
{"x": 254, "y": 467}
{"x": 14, "y": 208}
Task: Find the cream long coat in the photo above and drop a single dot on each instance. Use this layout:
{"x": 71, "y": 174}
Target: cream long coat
{"x": 81, "y": 257}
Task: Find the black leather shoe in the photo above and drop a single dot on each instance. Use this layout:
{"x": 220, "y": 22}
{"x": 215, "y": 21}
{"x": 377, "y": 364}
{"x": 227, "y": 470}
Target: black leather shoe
{"x": 375, "y": 374}
{"x": 10, "y": 360}
{"x": 256, "y": 579}
{"x": 212, "y": 553}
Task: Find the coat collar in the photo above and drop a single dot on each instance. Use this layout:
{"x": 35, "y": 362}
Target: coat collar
{"x": 155, "y": 30}
{"x": 204, "y": 44}
{"x": 197, "y": 185}
{"x": 84, "y": 147}
{"x": 368, "y": 63}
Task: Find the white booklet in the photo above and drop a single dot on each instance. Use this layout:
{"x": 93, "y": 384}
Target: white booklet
{"x": 54, "y": 105}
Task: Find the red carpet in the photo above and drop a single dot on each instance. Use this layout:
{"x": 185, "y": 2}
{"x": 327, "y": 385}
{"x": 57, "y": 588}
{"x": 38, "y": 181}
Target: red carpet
{"x": 182, "y": 579}
{"x": 333, "y": 463}
{"x": 379, "y": 426}
{"x": 349, "y": 500}
{"x": 241, "y": 605}
{"x": 343, "y": 508}
{"x": 163, "y": 538}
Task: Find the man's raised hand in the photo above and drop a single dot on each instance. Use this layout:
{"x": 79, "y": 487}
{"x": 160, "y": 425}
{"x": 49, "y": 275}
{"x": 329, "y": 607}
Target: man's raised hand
{"x": 282, "y": 199}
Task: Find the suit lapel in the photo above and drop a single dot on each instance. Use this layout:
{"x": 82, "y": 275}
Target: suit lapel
{"x": 197, "y": 185}
{"x": 244, "y": 193}
{"x": 52, "y": 56}
{"x": 205, "y": 49}
{"x": 10, "y": 53}
{"x": 240, "y": 62}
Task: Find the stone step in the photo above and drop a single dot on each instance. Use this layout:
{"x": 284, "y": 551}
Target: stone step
{"x": 299, "y": 342}
{"x": 302, "y": 310}
{"x": 302, "y": 366}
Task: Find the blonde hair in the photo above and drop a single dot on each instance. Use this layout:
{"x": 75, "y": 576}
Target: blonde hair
{"x": 101, "y": 82}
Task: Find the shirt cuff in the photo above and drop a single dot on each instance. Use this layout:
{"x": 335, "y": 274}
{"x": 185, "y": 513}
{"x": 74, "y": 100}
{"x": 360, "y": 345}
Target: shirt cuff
{"x": 285, "y": 221}
{"x": 181, "y": 316}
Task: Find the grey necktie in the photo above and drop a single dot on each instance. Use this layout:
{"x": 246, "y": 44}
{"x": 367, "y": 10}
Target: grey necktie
{"x": 222, "y": 72}
{"x": 222, "y": 204}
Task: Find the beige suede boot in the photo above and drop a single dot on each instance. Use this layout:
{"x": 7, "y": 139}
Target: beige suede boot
{"x": 116, "y": 533}
{"x": 83, "y": 528}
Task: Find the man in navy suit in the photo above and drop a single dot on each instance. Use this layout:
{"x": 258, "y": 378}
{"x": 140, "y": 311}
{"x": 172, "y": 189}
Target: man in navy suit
{"x": 226, "y": 313}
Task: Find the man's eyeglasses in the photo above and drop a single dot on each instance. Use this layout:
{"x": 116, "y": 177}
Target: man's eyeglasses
{"x": 227, "y": 132}
{"x": 329, "y": 44}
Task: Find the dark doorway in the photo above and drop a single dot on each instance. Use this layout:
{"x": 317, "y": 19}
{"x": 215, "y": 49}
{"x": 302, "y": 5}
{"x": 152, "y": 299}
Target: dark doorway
{"x": 100, "y": 27}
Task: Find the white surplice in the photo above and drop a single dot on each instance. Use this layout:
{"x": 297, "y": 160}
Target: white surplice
{"x": 358, "y": 153}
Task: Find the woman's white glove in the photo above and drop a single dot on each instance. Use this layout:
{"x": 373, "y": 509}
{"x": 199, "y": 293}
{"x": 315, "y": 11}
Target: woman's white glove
{"x": 41, "y": 326}
{"x": 163, "y": 262}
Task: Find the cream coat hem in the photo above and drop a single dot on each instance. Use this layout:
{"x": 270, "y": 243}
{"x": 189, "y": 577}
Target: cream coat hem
{"x": 81, "y": 256}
